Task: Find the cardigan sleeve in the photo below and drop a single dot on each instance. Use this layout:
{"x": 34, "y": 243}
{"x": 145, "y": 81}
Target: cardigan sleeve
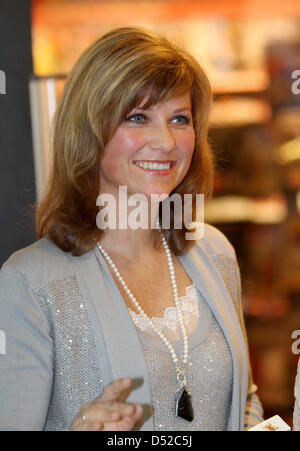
{"x": 223, "y": 255}
{"x": 26, "y": 358}
{"x": 254, "y": 409}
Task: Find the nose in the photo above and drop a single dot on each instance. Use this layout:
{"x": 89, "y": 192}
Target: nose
{"x": 162, "y": 139}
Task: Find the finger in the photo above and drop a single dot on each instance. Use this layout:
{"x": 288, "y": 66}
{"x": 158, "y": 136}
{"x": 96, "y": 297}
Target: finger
{"x": 80, "y": 425}
{"x": 97, "y": 415}
{"x": 127, "y": 423}
{"x": 110, "y": 412}
{"x": 91, "y": 426}
{"x": 117, "y": 390}
{"x": 96, "y": 426}
{"x": 123, "y": 408}
{"x": 138, "y": 414}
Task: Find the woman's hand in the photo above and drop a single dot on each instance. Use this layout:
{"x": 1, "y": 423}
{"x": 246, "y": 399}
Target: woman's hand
{"x": 109, "y": 412}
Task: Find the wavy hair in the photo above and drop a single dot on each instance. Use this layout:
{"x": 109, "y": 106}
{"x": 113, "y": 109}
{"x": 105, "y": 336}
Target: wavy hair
{"x": 111, "y": 78}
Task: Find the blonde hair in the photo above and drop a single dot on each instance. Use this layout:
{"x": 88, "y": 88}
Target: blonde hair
{"x": 111, "y": 78}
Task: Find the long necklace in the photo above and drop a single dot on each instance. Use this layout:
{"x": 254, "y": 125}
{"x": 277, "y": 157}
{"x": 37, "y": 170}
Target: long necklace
{"x": 184, "y": 407}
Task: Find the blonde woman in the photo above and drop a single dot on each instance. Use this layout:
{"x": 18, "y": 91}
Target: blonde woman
{"x": 126, "y": 328}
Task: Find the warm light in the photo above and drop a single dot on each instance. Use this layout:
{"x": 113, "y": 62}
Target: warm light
{"x": 237, "y": 208}
{"x": 290, "y": 151}
{"x": 239, "y": 110}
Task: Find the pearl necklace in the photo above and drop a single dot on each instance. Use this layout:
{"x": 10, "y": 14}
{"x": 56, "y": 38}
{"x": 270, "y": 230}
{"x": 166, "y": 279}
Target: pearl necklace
{"x": 184, "y": 407}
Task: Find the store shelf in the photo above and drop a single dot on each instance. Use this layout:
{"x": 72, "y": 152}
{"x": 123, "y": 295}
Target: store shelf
{"x": 242, "y": 110}
{"x": 239, "y": 81}
{"x": 229, "y": 209}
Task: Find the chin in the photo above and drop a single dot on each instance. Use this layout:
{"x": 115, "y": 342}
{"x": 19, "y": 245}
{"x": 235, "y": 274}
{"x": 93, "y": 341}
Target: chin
{"x": 149, "y": 191}
{"x": 157, "y": 194}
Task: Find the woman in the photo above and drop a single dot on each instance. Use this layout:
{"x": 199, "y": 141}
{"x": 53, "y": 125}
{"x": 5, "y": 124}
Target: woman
{"x": 126, "y": 328}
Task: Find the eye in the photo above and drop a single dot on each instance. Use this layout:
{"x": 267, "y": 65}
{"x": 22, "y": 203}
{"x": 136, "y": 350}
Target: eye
{"x": 181, "y": 120}
{"x": 137, "y": 118}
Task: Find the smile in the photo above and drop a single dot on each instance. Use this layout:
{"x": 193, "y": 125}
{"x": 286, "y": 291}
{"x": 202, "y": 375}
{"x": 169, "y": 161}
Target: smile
{"x": 155, "y": 165}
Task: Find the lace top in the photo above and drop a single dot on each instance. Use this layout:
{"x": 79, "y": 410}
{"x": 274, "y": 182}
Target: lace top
{"x": 209, "y": 372}
{"x": 169, "y": 324}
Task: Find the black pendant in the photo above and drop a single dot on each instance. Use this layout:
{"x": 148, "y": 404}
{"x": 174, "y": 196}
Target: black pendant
{"x": 184, "y": 406}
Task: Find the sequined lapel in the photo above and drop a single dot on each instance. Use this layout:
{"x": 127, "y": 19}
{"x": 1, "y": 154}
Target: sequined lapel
{"x": 114, "y": 330}
{"x": 205, "y": 275}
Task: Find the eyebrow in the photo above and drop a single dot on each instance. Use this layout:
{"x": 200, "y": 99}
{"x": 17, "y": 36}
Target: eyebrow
{"x": 179, "y": 110}
{"x": 182, "y": 109}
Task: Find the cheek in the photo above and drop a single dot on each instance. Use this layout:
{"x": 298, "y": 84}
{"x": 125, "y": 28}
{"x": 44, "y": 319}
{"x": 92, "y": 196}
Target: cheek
{"x": 110, "y": 161}
{"x": 119, "y": 150}
{"x": 127, "y": 141}
{"x": 186, "y": 143}
{"x": 115, "y": 152}
{"x": 133, "y": 141}
{"x": 109, "y": 165}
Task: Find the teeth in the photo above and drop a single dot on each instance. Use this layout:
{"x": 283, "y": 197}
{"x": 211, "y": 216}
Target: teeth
{"x": 157, "y": 166}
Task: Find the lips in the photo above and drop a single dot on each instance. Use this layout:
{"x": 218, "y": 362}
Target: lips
{"x": 155, "y": 165}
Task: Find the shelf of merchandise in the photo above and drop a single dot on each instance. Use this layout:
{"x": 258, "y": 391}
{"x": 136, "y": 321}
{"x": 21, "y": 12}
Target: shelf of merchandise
{"x": 239, "y": 81}
{"x": 230, "y": 111}
{"x": 233, "y": 209}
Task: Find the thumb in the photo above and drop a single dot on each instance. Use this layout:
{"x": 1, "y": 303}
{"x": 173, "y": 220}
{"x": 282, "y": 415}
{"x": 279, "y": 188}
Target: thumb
{"x": 117, "y": 390}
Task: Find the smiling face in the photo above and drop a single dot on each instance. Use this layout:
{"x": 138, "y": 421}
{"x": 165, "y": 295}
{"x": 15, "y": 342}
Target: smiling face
{"x": 151, "y": 150}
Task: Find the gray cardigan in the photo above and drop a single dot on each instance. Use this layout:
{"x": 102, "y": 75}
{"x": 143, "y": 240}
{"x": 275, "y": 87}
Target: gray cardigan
{"x": 68, "y": 333}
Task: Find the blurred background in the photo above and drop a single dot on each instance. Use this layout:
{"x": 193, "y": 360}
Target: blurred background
{"x": 250, "y": 50}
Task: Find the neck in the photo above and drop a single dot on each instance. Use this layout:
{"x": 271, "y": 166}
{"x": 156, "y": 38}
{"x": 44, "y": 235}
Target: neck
{"x": 129, "y": 243}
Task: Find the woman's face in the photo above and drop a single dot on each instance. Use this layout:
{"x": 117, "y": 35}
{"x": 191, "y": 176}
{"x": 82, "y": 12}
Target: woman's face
{"x": 151, "y": 150}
